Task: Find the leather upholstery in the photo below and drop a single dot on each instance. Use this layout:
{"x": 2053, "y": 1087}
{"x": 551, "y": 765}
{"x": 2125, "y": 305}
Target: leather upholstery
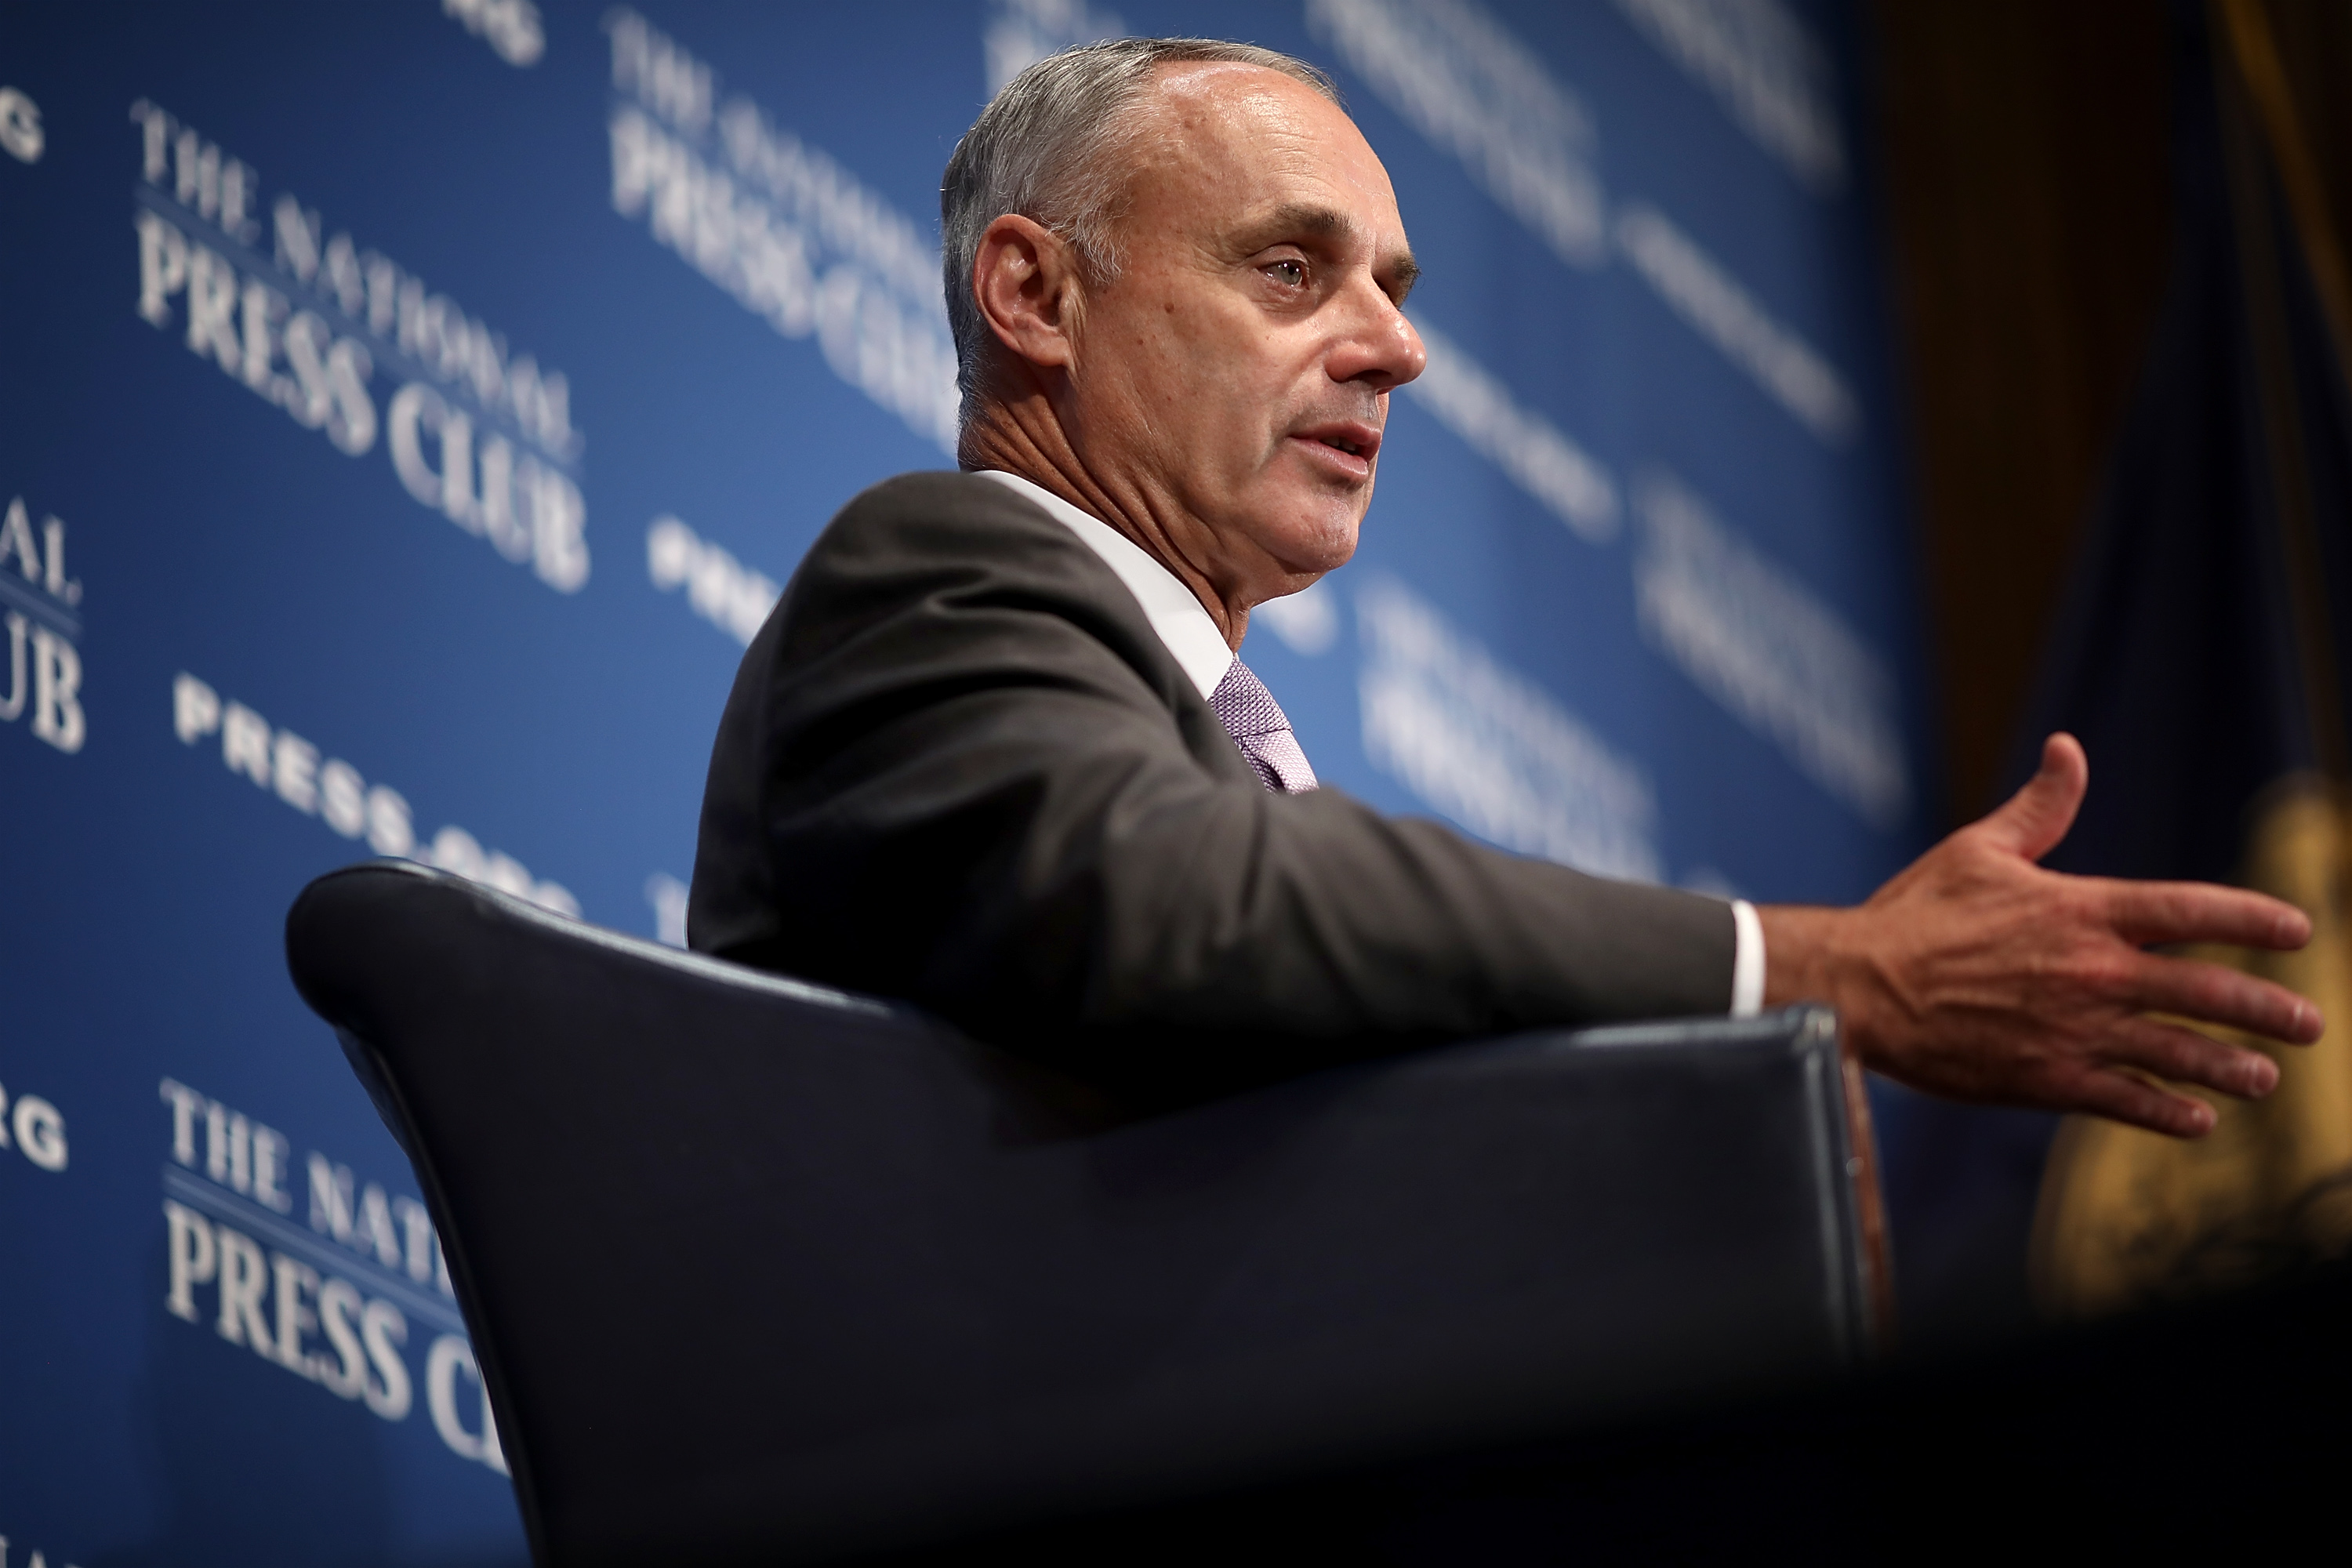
{"x": 761, "y": 1272}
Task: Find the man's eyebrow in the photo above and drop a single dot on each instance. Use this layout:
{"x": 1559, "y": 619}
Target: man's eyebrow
{"x": 1307, "y": 220}
{"x": 1294, "y": 220}
{"x": 1404, "y": 272}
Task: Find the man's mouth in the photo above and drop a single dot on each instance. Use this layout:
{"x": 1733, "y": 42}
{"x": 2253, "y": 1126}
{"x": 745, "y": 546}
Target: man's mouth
{"x": 1350, "y": 437}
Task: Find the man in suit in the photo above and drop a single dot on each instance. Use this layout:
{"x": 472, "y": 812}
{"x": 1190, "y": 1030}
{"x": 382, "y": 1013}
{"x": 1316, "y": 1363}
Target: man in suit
{"x": 994, "y": 753}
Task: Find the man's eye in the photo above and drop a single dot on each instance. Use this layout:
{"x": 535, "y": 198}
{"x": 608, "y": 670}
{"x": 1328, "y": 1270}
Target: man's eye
{"x": 1291, "y": 272}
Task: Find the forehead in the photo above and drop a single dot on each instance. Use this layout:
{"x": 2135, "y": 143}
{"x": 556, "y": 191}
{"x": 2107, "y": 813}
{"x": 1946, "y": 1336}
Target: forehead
{"x": 1220, "y": 141}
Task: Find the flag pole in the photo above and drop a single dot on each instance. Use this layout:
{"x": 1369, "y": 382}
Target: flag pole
{"x": 2257, "y": 89}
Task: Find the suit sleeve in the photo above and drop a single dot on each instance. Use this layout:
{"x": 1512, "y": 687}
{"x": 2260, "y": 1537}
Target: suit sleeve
{"x": 973, "y": 778}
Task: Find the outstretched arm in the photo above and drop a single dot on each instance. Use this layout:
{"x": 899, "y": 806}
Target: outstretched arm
{"x": 1978, "y": 975}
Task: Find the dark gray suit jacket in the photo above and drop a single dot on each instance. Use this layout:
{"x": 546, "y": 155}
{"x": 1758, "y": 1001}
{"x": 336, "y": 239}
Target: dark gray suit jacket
{"x": 959, "y": 767}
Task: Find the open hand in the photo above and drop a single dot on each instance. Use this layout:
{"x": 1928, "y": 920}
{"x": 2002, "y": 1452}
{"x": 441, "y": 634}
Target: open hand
{"x": 1978, "y": 975}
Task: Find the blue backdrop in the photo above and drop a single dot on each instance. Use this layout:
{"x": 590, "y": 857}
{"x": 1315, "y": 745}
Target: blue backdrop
{"x": 408, "y": 411}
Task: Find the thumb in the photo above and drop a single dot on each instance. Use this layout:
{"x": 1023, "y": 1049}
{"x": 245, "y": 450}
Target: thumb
{"x": 2036, "y": 817}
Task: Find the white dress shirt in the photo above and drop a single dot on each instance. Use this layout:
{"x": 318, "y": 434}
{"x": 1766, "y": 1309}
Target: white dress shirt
{"x": 1198, "y": 647}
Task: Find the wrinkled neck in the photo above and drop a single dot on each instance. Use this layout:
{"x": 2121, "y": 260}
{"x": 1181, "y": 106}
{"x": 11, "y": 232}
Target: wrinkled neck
{"x": 1025, "y": 436}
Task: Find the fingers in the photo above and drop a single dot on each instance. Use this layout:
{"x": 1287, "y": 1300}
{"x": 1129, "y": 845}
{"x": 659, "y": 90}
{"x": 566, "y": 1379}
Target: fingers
{"x": 2032, "y": 821}
{"x": 2119, "y": 1097}
{"x": 2212, "y": 994}
{"x": 2185, "y": 1056}
{"x": 2144, "y": 912}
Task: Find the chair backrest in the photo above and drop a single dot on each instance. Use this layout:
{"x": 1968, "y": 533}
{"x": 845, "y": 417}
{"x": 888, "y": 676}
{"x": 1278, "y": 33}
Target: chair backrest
{"x": 757, "y": 1270}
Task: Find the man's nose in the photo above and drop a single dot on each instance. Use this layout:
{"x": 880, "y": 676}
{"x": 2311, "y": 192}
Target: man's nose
{"x": 1378, "y": 346}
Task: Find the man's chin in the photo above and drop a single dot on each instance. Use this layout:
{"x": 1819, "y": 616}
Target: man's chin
{"x": 1312, "y": 540}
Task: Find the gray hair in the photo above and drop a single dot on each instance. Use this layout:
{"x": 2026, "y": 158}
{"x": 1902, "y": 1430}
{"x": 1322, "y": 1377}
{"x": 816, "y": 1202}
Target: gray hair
{"x": 1047, "y": 148}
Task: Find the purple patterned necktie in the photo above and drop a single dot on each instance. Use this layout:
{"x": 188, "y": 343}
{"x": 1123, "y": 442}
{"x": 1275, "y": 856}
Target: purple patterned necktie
{"x": 1254, "y": 719}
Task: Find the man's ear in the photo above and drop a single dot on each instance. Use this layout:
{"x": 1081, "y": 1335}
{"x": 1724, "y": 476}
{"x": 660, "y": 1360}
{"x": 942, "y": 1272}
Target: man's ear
{"x": 1026, "y": 281}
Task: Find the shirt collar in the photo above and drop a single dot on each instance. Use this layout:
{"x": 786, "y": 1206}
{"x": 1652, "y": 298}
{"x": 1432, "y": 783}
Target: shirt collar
{"x": 1183, "y": 625}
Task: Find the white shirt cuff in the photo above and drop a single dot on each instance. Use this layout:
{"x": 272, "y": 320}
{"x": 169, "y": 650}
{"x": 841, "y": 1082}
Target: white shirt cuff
{"x": 1746, "y": 960}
